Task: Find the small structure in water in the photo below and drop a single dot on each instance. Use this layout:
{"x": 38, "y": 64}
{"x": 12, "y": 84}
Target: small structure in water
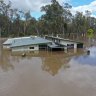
{"x": 88, "y": 52}
{"x": 65, "y": 43}
{"x": 35, "y": 43}
{"x": 92, "y": 51}
{"x": 89, "y": 59}
{"x": 7, "y": 44}
{"x": 32, "y": 43}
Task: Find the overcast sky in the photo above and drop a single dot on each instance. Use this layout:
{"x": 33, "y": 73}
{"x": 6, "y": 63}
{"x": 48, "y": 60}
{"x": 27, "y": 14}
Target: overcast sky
{"x": 35, "y": 5}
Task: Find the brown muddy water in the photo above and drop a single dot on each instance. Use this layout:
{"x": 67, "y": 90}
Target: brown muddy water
{"x": 48, "y": 73}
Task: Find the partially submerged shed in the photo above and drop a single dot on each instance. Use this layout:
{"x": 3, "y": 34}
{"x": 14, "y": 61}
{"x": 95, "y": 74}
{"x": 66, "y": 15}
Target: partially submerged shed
{"x": 65, "y": 42}
{"x": 7, "y": 44}
{"x": 29, "y": 44}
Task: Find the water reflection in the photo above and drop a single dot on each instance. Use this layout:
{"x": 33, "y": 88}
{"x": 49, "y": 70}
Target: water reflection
{"x": 5, "y": 61}
{"x": 87, "y": 59}
{"x": 53, "y": 64}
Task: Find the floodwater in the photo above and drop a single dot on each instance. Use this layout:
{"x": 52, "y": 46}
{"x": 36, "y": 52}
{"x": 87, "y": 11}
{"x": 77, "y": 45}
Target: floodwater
{"x": 48, "y": 73}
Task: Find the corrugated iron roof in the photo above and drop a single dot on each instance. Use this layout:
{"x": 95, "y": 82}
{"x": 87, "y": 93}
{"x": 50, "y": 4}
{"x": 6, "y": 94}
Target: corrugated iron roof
{"x": 9, "y": 41}
{"x": 29, "y": 41}
{"x": 58, "y": 38}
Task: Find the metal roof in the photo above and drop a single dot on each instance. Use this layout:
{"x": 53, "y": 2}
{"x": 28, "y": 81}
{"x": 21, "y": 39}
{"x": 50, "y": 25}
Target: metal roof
{"x": 29, "y": 41}
{"x": 9, "y": 41}
{"x": 58, "y": 38}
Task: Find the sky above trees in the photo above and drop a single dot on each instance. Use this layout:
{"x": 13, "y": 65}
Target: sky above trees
{"x": 35, "y": 5}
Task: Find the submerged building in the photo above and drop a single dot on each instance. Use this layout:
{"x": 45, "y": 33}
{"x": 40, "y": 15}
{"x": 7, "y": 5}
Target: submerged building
{"x": 7, "y": 44}
{"x": 66, "y": 43}
{"x": 34, "y": 43}
{"x": 31, "y": 43}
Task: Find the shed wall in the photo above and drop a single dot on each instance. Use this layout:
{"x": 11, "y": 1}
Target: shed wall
{"x": 26, "y": 48}
{"x": 6, "y": 46}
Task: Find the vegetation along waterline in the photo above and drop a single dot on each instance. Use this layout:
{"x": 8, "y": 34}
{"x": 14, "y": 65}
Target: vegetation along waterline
{"x": 56, "y": 19}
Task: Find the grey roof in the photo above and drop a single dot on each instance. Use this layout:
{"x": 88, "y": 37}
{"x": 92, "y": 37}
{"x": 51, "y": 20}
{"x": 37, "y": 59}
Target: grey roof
{"x": 58, "y": 38}
{"x": 29, "y": 41}
{"x": 10, "y": 40}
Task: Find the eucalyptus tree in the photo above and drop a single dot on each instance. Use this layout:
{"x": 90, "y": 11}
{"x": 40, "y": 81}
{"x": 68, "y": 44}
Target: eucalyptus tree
{"x": 78, "y": 22}
{"x": 32, "y": 28}
{"x": 67, "y": 15}
{"x": 43, "y": 27}
{"x": 27, "y": 18}
{"x": 53, "y": 17}
{"x": 4, "y": 17}
{"x": 17, "y": 23}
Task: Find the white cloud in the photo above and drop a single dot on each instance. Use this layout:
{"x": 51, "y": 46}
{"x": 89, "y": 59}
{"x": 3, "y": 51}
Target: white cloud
{"x": 93, "y": 15}
{"x": 91, "y": 7}
{"x": 33, "y": 5}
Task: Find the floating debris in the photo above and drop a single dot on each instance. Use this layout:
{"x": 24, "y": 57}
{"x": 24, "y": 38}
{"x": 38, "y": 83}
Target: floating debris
{"x": 23, "y": 54}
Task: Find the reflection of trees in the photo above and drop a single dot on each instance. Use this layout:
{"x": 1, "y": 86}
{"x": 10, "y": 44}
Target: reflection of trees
{"x": 54, "y": 63}
{"x": 5, "y": 63}
{"x": 4, "y": 58}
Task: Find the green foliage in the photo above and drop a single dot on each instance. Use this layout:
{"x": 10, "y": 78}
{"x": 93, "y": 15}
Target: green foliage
{"x": 90, "y": 33}
{"x": 56, "y": 19}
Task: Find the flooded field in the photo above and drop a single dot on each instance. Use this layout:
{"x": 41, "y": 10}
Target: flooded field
{"x": 71, "y": 73}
